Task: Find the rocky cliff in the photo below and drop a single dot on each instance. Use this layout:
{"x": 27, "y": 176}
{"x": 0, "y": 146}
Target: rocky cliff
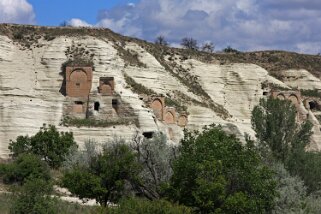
{"x": 207, "y": 88}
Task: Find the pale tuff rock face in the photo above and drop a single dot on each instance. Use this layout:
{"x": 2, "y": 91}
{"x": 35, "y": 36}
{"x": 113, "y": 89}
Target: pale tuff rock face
{"x": 31, "y": 80}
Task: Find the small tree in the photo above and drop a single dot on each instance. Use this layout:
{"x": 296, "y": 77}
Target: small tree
{"x": 160, "y": 40}
{"x": 215, "y": 173}
{"x": 156, "y": 158}
{"x": 189, "y": 43}
{"x": 48, "y": 143}
{"x": 275, "y": 125}
{"x": 106, "y": 178}
{"x": 208, "y": 47}
{"x": 229, "y": 49}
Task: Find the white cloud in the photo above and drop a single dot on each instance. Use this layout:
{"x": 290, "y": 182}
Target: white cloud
{"x": 78, "y": 23}
{"x": 16, "y": 11}
{"x": 243, "y": 24}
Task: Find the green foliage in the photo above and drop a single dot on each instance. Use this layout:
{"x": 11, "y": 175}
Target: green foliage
{"x": 275, "y": 125}
{"x": 307, "y": 166}
{"x": 155, "y": 156}
{"x": 276, "y": 128}
{"x": 48, "y": 144}
{"x": 24, "y": 167}
{"x": 34, "y": 197}
{"x": 139, "y": 206}
{"x": 88, "y": 122}
{"x": 106, "y": 178}
{"x": 137, "y": 87}
{"x": 311, "y": 93}
{"x": 229, "y": 49}
{"x": 82, "y": 158}
{"x": 291, "y": 191}
{"x": 215, "y": 173}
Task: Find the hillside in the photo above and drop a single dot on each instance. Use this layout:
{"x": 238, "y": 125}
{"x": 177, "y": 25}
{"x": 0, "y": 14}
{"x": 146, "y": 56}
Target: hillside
{"x": 135, "y": 86}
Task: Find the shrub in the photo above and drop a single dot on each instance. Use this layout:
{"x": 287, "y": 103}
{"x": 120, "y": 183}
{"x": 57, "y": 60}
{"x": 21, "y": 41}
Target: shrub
{"x": 291, "y": 191}
{"x": 229, "y": 49}
{"x": 34, "y": 197}
{"x": 24, "y": 167}
{"x": 160, "y": 40}
{"x": 189, "y": 43}
{"x": 139, "y": 206}
{"x": 311, "y": 93}
{"x": 49, "y": 144}
{"x": 208, "y": 47}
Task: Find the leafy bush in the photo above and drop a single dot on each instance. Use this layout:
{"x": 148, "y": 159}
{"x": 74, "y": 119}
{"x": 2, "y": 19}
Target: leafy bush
{"x": 34, "y": 197}
{"x": 311, "y": 93}
{"x": 307, "y": 166}
{"x": 24, "y": 167}
{"x": 215, "y": 173}
{"x": 106, "y": 178}
{"x": 139, "y": 206}
{"x": 291, "y": 191}
{"x": 48, "y": 144}
{"x": 229, "y": 49}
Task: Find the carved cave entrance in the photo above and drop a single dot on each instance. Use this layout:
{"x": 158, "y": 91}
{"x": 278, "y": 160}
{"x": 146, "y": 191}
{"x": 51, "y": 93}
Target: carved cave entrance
{"x": 96, "y": 106}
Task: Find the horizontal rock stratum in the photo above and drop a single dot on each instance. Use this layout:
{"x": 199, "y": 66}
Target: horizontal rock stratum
{"x": 193, "y": 88}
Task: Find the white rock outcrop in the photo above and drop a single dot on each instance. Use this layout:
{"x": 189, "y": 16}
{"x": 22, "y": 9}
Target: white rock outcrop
{"x": 30, "y": 81}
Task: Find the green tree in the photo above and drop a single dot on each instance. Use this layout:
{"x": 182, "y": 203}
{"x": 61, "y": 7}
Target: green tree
{"x": 24, "y": 167}
{"x": 274, "y": 122}
{"x": 34, "y": 197}
{"x": 215, "y": 173}
{"x": 279, "y": 133}
{"x": 48, "y": 143}
{"x": 106, "y": 178}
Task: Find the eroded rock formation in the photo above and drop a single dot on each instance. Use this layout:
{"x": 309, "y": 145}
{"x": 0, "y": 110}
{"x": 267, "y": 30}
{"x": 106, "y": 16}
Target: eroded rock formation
{"x": 125, "y": 85}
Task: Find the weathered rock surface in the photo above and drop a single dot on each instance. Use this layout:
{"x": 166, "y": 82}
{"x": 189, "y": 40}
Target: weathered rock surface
{"x": 30, "y": 81}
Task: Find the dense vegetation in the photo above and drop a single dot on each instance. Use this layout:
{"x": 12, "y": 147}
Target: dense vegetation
{"x": 209, "y": 172}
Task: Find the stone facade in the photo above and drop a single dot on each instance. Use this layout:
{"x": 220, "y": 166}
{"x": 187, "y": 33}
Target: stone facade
{"x": 158, "y": 106}
{"x": 106, "y": 86}
{"x": 101, "y": 104}
{"x": 167, "y": 114}
{"x": 78, "y": 81}
{"x": 293, "y": 96}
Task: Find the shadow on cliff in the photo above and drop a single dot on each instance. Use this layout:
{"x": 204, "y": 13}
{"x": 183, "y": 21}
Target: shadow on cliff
{"x": 62, "y": 73}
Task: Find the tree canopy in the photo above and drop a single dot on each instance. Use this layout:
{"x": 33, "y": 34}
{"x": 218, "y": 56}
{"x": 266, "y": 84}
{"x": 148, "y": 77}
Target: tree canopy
{"x": 107, "y": 176}
{"x": 274, "y": 122}
{"x": 49, "y": 144}
{"x": 215, "y": 173}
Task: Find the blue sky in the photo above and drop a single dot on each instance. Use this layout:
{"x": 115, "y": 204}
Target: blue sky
{"x": 54, "y": 12}
{"x": 247, "y": 25}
